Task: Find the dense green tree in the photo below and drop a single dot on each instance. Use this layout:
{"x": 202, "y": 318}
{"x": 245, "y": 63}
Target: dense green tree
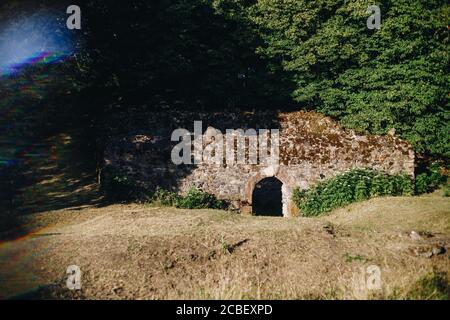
{"x": 373, "y": 80}
{"x": 176, "y": 53}
{"x": 265, "y": 54}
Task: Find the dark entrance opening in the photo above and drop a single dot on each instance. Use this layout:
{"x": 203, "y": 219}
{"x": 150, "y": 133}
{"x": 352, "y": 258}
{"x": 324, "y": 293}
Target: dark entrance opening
{"x": 266, "y": 198}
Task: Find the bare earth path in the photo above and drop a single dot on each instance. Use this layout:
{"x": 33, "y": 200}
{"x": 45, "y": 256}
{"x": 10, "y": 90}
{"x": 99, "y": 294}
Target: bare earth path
{"x": 143, "y": 252}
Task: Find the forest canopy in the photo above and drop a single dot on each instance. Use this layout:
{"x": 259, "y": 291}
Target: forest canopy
{"x": 268, "y": 54}
{"x": 374, "y": 80}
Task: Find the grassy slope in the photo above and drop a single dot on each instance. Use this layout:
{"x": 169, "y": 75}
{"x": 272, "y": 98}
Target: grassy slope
{"x": 134, "y": 251}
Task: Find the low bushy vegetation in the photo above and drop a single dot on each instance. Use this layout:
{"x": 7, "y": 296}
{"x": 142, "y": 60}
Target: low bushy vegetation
{"x": 117, "y": 186}
{"x": 165, "y": 198}
{"x": 353, "y": 186}
{"x": 430, "y": 179}
{"x": 197, "y": 199}
{"x": 194, "y": 199}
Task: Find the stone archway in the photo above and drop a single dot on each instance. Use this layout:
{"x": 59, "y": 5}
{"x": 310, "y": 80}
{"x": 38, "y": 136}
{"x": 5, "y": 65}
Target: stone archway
{"x": 288, "y": 207}
{"x": 267, "y": 197}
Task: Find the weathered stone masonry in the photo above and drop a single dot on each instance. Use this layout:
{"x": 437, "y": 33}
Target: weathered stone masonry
{"x": 312, "y": 148}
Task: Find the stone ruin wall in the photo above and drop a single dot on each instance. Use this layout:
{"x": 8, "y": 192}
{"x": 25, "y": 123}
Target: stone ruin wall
{"x": 313, "y": 148}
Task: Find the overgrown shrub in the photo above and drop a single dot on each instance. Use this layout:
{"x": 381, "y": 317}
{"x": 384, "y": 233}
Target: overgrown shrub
{"x": 165, "y": 198}
{"x": 119, "y": 187}
{"x": 194, "y": 199}
{"x": 429, "y": 180}
{"x": 197, "y": 199}
{"x": 355, "y": 185}
{"x": 447, "y": 189}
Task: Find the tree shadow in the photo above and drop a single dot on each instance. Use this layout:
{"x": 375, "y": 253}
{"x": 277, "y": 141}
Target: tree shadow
{"x": 138, "y": 63}
{"x": 52, "y": 291}
{"x": 56, "y": 174}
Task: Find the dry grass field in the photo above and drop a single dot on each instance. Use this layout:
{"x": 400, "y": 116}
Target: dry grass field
{"x": 144, "y": 252}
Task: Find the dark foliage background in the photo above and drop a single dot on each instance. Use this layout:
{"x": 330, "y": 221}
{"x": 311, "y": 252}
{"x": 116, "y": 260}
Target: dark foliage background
{"x": 318, "y": 55}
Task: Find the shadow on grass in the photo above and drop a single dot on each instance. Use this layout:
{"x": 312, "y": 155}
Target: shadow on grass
{"x": 55, "y": 173}
{"x": 54, "y": 291}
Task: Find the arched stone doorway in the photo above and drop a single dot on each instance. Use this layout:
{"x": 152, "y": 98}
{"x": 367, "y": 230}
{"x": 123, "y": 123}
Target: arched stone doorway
{"x": 267, "y": 197}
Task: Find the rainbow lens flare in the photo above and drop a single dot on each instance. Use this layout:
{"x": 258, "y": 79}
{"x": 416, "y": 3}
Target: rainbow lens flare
{"x": 40, "y": 38}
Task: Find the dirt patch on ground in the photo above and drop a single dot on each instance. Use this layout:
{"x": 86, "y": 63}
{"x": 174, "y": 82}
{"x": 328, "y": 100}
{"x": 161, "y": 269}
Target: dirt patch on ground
{"x": 142, "y": 252}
